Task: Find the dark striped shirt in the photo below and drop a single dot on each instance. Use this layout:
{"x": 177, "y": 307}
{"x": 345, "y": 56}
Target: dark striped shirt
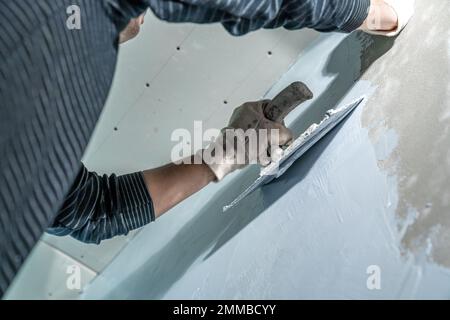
{"x": 101, "y": 207}
{"x": 53, "y": 85}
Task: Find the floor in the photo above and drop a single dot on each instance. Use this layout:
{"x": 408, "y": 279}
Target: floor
{"x": 373, "y": 195}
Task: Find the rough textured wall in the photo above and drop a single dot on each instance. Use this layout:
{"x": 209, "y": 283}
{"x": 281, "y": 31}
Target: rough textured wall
{"x": 413, "y": 102}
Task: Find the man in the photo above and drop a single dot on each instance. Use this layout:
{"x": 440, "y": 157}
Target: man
{"x": 54, "y": 83}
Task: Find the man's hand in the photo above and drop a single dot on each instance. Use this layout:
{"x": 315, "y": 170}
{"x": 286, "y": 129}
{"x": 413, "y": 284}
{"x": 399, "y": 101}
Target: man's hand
{"x": 171, "y": 184}
{"x": 255, "y": 133}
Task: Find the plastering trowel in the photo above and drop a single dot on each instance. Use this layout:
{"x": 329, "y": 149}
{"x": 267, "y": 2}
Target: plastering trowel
{"x": 301, "y": 145}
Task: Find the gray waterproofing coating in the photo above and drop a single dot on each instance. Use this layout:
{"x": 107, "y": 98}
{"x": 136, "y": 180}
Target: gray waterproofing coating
{"x": 314, "y": 232}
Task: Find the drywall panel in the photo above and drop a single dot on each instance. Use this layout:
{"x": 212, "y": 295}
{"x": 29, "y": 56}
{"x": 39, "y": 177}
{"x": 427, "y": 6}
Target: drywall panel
{"x": 322, "y": 229}
{"x": 45, "y": 275}
{"x": 206, "y": 74}
{"x": 96, "y": 257}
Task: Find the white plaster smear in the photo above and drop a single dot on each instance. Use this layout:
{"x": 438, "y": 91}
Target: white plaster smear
{"x": 311, "y": 234}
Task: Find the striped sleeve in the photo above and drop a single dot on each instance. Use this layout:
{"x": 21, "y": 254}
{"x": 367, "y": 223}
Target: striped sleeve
{"x": 242, "y": 16}
{"x": 102, "y": 207}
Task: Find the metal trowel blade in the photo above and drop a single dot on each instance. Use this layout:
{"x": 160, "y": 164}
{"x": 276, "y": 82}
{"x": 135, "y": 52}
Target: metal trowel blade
{"x": 298, "y": 148}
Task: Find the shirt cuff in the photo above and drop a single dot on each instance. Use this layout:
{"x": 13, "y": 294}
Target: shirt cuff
{"x": 135, "y": 199}
{"x": 359, "y": 11}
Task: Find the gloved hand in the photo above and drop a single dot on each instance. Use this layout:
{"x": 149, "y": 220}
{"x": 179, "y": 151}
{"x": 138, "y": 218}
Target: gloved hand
{"x": 255, "y": 133}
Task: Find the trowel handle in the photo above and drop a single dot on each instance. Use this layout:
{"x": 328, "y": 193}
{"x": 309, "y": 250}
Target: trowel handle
{"x": 287, "y": 100}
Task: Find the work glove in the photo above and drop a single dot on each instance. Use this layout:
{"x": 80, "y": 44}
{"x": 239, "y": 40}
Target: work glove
{"x": 256, "y": 132}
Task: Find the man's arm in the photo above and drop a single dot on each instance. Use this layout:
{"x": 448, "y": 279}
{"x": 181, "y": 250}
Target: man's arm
{"x": 99, "y": 208}
{"x": 242, "y": 16}
{"x": 102, "y": 207}
{"x": 171, "y": 184}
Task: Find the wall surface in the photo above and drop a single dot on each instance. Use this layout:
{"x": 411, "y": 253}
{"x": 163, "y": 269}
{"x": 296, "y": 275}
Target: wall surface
{"x": 375, "y": 192}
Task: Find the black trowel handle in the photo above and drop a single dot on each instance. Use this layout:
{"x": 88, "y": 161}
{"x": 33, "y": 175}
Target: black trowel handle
{"x": 287, "y": 100}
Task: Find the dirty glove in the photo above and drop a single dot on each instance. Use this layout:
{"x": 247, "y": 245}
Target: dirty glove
{"x": 255, "y": 133}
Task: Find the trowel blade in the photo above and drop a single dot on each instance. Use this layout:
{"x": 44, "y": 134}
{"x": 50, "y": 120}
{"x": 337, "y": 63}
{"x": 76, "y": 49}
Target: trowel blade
{"x": 299, "y": 147}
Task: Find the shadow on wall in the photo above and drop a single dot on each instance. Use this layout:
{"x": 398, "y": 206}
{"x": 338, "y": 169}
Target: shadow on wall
{"x": 211, "y": 228}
